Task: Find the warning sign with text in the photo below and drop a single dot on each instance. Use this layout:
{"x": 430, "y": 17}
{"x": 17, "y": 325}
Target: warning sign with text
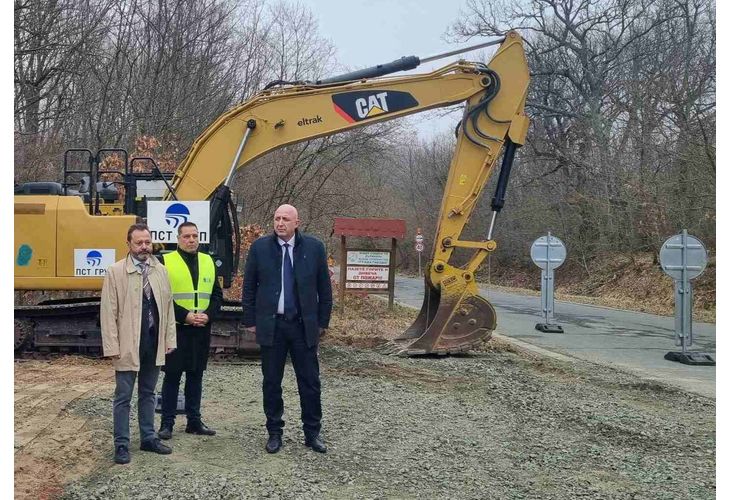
{"x": 367, "y": 273}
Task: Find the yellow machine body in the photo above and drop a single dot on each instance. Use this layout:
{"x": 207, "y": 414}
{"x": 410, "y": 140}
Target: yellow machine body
{"x": 48, "y": 230}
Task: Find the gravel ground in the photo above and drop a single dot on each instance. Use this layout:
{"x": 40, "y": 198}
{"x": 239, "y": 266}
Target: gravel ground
{"x": 488, "y": 425}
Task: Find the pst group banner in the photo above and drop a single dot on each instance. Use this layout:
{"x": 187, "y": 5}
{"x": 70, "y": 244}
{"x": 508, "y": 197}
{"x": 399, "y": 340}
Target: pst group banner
{"x": 164, "y": 217}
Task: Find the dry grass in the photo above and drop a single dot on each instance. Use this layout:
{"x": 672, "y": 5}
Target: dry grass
{"x": 367, "y": 322}
{"x": 637, "y": 283}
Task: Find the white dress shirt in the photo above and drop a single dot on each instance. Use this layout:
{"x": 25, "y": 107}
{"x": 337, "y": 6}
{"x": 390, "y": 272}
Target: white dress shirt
{"x": 280, "y": 307}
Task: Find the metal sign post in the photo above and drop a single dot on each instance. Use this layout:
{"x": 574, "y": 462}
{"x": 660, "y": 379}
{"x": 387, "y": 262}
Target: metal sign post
{"x": 683, "y": 257}
{"x": 548, "y": 252}
{"x": 419, "y": 247}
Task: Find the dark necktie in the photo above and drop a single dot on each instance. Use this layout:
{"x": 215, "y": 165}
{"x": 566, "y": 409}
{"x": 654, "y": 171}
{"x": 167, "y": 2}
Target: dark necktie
{"x": 147, "y": 292}
{"x": 290, "y": 304}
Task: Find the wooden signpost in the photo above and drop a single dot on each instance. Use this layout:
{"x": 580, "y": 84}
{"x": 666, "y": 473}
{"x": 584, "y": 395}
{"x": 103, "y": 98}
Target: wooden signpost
{"x": 368, "y": 270}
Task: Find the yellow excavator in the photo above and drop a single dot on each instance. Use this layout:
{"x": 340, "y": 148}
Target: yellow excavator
{"x": 56, "y": 226}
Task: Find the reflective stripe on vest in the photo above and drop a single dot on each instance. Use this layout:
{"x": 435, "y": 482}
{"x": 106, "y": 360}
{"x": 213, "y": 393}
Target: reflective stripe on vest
{"x": 183, "y": 292}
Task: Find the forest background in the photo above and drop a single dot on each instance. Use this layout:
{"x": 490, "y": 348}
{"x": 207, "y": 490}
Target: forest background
{"x": 620, "y": 153}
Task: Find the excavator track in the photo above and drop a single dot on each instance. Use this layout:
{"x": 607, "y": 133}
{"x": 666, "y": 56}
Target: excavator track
{"x": 72, "y": 326}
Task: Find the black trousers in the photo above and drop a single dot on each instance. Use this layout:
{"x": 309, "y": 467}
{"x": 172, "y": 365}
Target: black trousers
{"x": 289, "y": 339}
{"x": 193, "y": 395}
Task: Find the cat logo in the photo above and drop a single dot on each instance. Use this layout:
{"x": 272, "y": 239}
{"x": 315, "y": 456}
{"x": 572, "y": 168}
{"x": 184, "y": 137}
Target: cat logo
{"x": 373, "y": 105}
{"x": 362, "y": 105}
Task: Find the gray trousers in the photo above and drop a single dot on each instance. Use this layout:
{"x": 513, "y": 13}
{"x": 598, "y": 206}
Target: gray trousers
{"x": 146, "y": 400}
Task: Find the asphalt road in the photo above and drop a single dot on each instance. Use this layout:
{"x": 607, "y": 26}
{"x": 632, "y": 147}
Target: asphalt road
{"x": 627, "y": 340}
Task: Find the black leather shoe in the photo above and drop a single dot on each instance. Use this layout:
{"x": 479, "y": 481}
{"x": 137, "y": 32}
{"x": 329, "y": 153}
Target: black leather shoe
{"x": 165, "y": 432}
{"x": 199, "y": 428}
{"x": 316, "y": 443}
{"x": 274, "y": 443}
{"x": 121, "y": 455}
{"x": 156, "y": 446}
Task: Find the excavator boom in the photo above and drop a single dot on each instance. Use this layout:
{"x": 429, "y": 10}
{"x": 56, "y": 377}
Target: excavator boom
{"x": 283, "y": 116}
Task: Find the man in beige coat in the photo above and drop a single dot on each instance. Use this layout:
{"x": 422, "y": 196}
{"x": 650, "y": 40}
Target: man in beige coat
{"x": 137, "y": 329}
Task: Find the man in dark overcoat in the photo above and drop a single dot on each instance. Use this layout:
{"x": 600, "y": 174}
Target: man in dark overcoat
{"x": 287, "y": 302}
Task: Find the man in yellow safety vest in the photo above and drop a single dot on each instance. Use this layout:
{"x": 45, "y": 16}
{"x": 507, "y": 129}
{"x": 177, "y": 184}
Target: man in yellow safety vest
{"x": 197, "y": 300}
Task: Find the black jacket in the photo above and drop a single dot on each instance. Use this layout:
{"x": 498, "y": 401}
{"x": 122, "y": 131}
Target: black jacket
{"x": 193, "y": 342}
{"x": 262, "y": 286}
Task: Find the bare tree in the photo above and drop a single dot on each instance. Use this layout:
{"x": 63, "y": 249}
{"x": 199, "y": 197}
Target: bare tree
{"x": 53, "y": 39}
{"x": 622, "y": 101}
{"x": 103, "y": 73}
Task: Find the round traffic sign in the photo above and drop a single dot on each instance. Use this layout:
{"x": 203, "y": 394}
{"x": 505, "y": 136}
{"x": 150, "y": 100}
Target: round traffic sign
{"x": 419, "y": 238}
{"x": 419, "y": 247}
{"x": 542, "y": 249}
{"x": 683, "y": 251}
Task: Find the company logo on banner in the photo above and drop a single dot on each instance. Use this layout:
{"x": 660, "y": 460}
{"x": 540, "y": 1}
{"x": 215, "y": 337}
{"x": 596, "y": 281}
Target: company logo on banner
{"x": 176, "y": 214}
{"x": 93, "y": 258}
{"x": 92, "y": 262}
{"x": 164, "y": 217}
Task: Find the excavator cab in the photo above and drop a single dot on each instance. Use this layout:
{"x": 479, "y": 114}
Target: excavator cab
{"x": 106, "y": 183}
{"x": 103, "y": 181}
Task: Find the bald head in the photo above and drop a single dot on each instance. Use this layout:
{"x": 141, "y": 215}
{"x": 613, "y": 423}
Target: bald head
{"x": 290, "y": 209}
{"x": 286, "y": 221}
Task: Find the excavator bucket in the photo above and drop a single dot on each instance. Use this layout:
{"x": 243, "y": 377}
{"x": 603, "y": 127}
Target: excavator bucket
{"x": 452, "y": 319}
